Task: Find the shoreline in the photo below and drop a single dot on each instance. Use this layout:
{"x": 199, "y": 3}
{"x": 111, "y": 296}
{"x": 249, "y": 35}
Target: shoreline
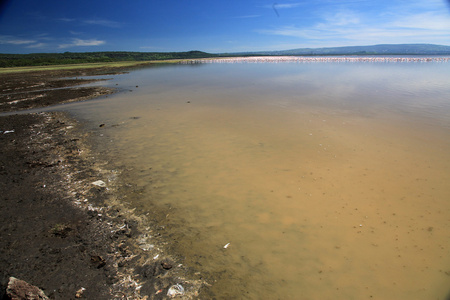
{"x": 66, "y": 228}
{"x": 324, "y": 58}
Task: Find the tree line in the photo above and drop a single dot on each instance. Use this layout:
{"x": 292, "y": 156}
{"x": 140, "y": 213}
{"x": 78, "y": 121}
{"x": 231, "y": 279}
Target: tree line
{"x": 45, "y": 59}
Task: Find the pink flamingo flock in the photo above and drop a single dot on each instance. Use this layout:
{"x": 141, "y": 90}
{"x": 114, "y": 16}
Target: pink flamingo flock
{"x": 278, "y": 59}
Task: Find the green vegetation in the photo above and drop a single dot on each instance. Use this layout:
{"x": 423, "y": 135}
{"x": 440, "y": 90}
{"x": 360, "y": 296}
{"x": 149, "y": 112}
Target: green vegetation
{"x": 47, "y": 59}
{"x": 120, "y": 64}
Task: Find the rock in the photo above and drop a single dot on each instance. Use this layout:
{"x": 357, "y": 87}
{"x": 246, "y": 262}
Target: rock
{"x": 60, "y": 230}
{"x": 175, "y": 290}
{"x": 166, "y": 265}
{"x": 21, "y": 290}
{"x": 121, "y": 262}
{"x": 154, "y": 269}
{"x": 99, "y": 183}
{"x": 98, "y": 261}
{"x": 79, "y": 293}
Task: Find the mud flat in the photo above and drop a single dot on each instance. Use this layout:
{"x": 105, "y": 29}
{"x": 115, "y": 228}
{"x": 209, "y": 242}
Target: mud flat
{"x": 65, "y": 225}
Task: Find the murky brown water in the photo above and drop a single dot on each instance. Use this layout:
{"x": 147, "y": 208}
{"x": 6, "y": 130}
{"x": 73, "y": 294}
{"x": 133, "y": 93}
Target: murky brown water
{"x": 328, "y": 181}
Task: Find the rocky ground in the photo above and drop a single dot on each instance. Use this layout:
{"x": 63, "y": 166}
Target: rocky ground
{"x": 64, "y": 227}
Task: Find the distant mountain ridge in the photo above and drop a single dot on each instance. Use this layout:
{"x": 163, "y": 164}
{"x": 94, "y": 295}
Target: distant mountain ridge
{"x": 385, "y": 49}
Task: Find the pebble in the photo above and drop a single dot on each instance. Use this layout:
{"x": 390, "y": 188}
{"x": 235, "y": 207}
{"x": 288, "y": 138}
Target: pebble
{"x": 99, "y": 183}
{"x": 175, "y": 290}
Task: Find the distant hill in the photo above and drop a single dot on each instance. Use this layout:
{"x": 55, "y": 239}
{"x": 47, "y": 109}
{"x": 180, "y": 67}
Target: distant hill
{"x": 385, "y": 49}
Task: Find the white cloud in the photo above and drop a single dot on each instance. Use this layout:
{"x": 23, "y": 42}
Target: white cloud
{"x": 6, "y": 39}
{"x": 94, "y": 21}
{"x": 43, "y": 36}
{"x": 34, "y": 43}
{"x": 103, "y": 22}
{"x": 66, "y": 19}
{"x": 20, "y": 42}
{"x": 287, "y": 5}
{"x": 92, "y": 42}
{"x": 282, "y": 5}
{"x": 276, "y": 6}
{"x": 80, "y": 42}
{"x": 342, "y": 18}
{"x": 38, "y": 45}
{"x": 425, "y": 21}
{"x": 351, "y": 27}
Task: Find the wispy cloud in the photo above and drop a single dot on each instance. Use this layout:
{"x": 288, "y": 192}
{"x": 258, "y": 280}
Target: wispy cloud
{"x": 6, "y": 39}
{"x": 66, "y": 19}
{"x": 346, "y": 26}
{"x": 285, "y": 5}
{"x": 276, "y": 6}
{"x": 36, "y": 46}
{"x": 342, "y": 18}
{"x": 282, "y": 5}
{"x": 20, "y": 42}
{"x": 44, "y": 41}
{"x": 80, "y": 43}
{"x": 425, "y": 21}
{"x": 92, "y": 21}
{"x": 35, "y": 42}
{"x": 103, "y": 22}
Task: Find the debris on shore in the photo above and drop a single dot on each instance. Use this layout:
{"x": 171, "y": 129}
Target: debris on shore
{"x": 65, "y": 229}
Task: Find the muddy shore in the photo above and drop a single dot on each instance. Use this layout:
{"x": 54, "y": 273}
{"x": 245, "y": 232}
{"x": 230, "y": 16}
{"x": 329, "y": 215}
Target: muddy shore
{"x": 65, "y": 227}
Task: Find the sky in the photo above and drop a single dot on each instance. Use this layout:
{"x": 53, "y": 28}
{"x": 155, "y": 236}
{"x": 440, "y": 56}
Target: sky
{"x": 217, "y": 26}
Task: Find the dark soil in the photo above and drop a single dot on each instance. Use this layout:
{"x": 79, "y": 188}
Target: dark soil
{"x": 58, "y": 230}
{"x": 25, "y": 90}
{"x": 46, "y": 240}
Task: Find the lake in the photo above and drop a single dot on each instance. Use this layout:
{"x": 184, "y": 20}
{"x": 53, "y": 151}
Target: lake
{"x": 324, "y": 179}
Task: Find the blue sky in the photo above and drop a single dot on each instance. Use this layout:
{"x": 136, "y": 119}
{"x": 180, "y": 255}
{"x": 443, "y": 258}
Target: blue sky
{"x": 217, "y": 26}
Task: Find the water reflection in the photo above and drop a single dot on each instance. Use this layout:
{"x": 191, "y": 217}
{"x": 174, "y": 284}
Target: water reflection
{"x": 327, "y": 180}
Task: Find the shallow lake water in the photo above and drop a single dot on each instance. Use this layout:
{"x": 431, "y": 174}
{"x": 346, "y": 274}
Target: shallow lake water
{"x": 325, "y": 180}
